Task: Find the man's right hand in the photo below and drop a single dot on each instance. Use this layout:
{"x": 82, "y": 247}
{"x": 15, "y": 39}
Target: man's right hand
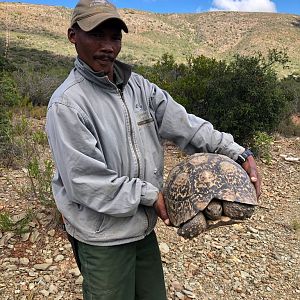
{"x": 161, "y": 210}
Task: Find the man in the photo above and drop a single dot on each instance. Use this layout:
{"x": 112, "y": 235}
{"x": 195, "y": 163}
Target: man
{"x": 106, "y": 126}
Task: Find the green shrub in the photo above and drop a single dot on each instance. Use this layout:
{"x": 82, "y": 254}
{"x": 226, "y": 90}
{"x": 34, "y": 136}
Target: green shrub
{"x": 8, "y": 150}
{"x": 40, "y": 137}
{"x": 5, "y": 65}
{"x": 261, "y": 146}
{"x": 7, "y": 223}
{"x": 241, "y": 97}
{"x": 40, "y": 174}
{"x": 40, "y": 168}
{"x": 164, "y": 72}
{"x": 245, "y": 97}
{"x": 9, "y": 95}
{"x": 292, "y": 85}
{"x": 36, "y": 86}
{"x": 288, "y": 128}
{"x": 9, "y": 98}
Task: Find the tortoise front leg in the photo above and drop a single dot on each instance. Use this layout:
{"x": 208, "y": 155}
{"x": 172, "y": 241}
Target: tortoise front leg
{"x": 193, "y": 227}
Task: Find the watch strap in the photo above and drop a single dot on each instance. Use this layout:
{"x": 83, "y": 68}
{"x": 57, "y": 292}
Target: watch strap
{"x": 243, "y": 156}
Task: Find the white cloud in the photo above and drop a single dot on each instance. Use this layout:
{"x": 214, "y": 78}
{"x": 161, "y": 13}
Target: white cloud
{"x": 244, "y": 5}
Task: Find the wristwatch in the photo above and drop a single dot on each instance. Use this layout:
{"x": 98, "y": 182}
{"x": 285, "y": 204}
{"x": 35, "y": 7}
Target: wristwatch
{"x": 243, "y": 156}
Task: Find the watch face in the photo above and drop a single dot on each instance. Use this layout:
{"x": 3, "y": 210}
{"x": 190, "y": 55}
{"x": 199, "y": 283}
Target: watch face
{"x": 241, "y": 159}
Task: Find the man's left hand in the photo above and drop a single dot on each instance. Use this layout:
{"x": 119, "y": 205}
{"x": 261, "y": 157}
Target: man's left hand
{"x": 161, "y": 210}
{"x": 250, "y": 167}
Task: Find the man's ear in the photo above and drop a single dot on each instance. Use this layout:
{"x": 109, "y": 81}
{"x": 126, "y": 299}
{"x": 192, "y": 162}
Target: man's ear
{"x": 72, "y": 35}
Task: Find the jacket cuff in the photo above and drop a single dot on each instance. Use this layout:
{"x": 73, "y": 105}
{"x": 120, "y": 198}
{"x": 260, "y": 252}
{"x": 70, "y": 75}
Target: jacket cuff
{"x": 237, "y": 151}
{"x": 149, "y": 194}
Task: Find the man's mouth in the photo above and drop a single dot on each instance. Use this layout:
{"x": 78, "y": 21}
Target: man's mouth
{"x": 107, "y": 58}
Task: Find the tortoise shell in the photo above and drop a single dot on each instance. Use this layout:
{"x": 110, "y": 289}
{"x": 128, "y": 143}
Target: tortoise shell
{"x": 194, "y": 182}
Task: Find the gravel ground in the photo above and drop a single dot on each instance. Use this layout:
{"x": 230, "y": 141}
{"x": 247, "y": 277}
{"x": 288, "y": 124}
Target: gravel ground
{"x": 256, "y": 259}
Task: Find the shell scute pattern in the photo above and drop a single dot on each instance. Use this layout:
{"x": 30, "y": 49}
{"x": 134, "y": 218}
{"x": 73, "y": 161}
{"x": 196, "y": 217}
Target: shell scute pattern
{"x": 200, "y": 178}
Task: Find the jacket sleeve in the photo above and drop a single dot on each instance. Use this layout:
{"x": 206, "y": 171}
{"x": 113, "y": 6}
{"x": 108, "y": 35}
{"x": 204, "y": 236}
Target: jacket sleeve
{"x": 191, "y": 133}
{"x": 83, "y": 171}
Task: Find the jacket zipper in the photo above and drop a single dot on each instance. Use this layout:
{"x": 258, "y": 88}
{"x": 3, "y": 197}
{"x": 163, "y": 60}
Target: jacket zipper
{"x": 131, "y": 135}
{"x": 135, "y": 151}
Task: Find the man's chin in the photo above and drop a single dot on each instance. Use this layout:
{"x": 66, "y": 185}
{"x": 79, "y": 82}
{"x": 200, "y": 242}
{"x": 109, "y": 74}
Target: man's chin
{"x": 103, "y": 66}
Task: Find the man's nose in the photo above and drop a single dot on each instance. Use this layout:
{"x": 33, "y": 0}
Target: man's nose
{"x": 106, "y": 46}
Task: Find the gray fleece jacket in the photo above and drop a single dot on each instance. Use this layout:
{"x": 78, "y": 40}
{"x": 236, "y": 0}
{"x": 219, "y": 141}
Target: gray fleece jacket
{"x": 107, "y": 143}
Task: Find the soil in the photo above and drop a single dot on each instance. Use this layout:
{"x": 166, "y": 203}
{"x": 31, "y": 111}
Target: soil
{"x": 256, "y": 259}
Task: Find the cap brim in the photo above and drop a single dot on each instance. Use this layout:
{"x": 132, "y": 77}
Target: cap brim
{"x": 89, "y": 23}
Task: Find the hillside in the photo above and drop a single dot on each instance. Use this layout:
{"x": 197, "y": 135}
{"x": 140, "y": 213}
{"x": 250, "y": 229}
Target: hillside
{"x": 37, "y": 32}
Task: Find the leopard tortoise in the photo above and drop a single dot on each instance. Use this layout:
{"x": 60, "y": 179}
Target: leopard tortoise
{"x": 206, "y": 191}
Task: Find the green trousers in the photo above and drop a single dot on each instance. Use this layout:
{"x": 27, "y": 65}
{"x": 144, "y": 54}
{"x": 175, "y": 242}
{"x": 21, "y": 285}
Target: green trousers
{"x": 125, "y": 272}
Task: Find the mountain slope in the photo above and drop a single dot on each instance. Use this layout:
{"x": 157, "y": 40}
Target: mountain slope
{"x": 214, "y": 34}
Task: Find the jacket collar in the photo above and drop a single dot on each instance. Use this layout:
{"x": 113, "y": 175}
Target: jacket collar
{"x": 122, "y": 73}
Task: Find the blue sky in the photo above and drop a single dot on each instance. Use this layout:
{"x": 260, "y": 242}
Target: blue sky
{"x": 192, "y": 6}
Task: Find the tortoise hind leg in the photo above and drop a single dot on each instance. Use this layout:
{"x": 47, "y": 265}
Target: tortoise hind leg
{"x": 238, "y": 211}
{"x": 193, "y": 227}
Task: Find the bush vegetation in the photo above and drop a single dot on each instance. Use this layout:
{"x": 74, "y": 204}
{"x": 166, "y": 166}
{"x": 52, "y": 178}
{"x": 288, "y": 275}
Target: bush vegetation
{"x": 242, "y": 97}
{"x": 22, "y": 145}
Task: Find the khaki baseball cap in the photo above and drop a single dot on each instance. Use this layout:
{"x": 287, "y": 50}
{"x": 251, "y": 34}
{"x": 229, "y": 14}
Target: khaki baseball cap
{"x": 88, "y": 14}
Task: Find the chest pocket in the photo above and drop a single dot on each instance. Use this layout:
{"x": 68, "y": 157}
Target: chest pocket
{"x": 143, "y": 117}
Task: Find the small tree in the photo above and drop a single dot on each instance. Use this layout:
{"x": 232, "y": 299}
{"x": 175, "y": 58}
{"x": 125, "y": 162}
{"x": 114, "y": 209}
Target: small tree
{"x": 9, "y": 98}
{"x": 242, "y": 97}
{"x": 247, "y": 98}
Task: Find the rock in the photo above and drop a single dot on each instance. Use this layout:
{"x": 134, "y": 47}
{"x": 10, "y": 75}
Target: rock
{"x": 34, "y": 236}
{"x": 18, "y": 217}
{"x": 164, "y": 248}
{"x": 53, "y": 289}
{"x": 292, "y": 159}
{"x": 253, "y": 230}
{"x": 189, "y": 294}
{"x": 176, "y": 285}
{"x": 47, "y": 278}
{"x": 244, "y": 274}
{"x": 59, "y": 258}
{"x": 51, "y": 232}
{"x": 11, "y": 268}
{"x": 5, "y": 238}
{"x": 24, "y": 261}
{"x": 45, "y": 293}
{"x": 179, "y": 296}
{"x": 42, "y": 267}
{"x": 188, "y": 287}
{"x": 32, "y": 273}
{"x": 49, "y": 260}
{"x": 25, "y": 236}
{"x": 79, "y": 280}
{"x": 75, "y": 272}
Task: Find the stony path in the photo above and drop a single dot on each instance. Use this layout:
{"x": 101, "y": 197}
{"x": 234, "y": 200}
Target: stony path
{"x": 258, "y": 259}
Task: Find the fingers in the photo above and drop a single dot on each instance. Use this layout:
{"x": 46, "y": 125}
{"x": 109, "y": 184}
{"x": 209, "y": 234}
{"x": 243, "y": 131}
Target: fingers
{"x": 161, "y": 210}
{"x": 167, "y": 222}
{"x": 251, "y": 168}
{"x": 256, "y": 180}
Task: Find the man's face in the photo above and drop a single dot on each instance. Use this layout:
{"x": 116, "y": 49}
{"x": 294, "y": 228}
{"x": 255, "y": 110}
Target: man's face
{"x": 99, "y": 47}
